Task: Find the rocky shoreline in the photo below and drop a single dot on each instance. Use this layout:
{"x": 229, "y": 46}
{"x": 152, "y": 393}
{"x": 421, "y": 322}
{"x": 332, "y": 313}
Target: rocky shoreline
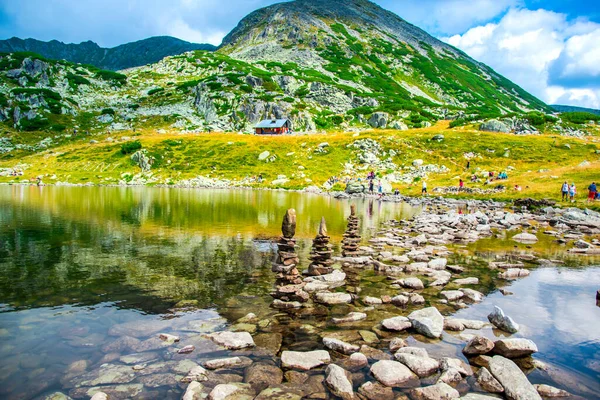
{"x": 359, "y": 354}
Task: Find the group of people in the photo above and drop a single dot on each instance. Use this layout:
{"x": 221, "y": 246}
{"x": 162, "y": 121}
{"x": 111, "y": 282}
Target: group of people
{"x": 569, "y": 191}
{"x": 371, "y": 179}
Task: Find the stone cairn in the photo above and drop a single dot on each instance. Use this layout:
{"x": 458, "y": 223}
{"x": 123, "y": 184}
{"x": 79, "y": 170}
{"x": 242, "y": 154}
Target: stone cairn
{"x": 321, "y": 253}
{"x": 351, "y": 241}
{"x": 289, "y": 291}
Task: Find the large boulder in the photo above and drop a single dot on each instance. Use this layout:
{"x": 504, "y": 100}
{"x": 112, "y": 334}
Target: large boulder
{"x": 428, "y": 322}
{"x": 525, "y": 237}
{"x": 355, "y": 187}
{"x": 502, "y": 321}
{"x": 379, "y": 120}
{"x": 513, "y": 380}
{"x": 494, "y": 125}
{"x": 394, "y": 374}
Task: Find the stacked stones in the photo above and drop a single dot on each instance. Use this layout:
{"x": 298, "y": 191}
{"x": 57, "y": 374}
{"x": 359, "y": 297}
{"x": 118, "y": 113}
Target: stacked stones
{"x": 351, "y": 242}
{"x": 321, "y": 253}
{"x": 289, "y": 291}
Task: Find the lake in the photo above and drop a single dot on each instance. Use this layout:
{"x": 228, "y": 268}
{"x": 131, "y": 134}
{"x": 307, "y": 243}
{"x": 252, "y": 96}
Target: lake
{"x": 82, "y": 267}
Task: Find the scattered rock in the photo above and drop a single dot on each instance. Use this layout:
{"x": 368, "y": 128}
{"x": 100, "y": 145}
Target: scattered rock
{"x": 339, "y": 382}
{"x": 515, "y": 348}
{"x": 428, "y": 322}
{"x": 439, "y": 391}
{"x": 232, "y": 340}
{"x": 487, "y": 382}
{"x": 513, "y": 380}
{"x": 340, "y": 346}
{"x": 478, "y": 345}
{"x": 551, "y": 392}
{"x": 502, "y": 321}
{"x": 304, "y": 360}
{"x": 394, "y": 374}
{"x": 396, "y": 323}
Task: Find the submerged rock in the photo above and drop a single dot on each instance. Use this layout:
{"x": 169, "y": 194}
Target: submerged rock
{"x": 304, "y": 360}
{"x": 232, "y": 391}
{"x": 260, "y": 376}
{"x": 551, "y": 392}
{"x": 232, "y": 340}
{"x": 351, "y": 317}
{"x": 339, "y": 382}
{"x": 376, "y": 391}
{"x": 340, "y": 346}
{"x": 333, "y": 298}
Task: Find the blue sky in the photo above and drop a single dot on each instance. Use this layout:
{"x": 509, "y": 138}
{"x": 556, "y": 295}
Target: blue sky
{"x": 549, "y": 47}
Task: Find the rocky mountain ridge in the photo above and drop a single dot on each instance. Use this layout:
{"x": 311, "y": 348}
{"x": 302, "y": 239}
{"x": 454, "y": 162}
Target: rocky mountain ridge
{"x": 127, "y": 55}
{"x": 322, "y": 64}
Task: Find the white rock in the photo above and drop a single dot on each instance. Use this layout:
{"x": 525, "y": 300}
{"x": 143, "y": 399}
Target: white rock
{"x": 439, "y": 391}
{"x": 437, "y": 263}
{"x": 396, "y": 323}
{"x": 428, "y": 322}
{"x": 351, "y": 317}
{"x": 340, "y": 346}
{"x": 421, "y": 366}
{"x": 304, "y": 360}
{"x": 393, "y": 374}
{"x": 337, "y": 381}
{"x": 333, "y": 298}
{"x": 232, "y": 340}
{"x": 525, "y": 238}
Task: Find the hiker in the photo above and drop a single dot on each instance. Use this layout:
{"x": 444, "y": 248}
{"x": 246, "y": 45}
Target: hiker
{"x": 461, "y": 184}
{"x": 397, "y": 192}
{"x": 260, "y": 178}
{"x": 469, "y": 164}
{"x": 424, "y": 188}
{"x": 474, "y": 178}
{"x": 380, "y": 188}
{"x": 371, "y": 186}
{"x": 593, "y": 190}
{"x": 572, "y": 192}
{"x": 565, "y": 191}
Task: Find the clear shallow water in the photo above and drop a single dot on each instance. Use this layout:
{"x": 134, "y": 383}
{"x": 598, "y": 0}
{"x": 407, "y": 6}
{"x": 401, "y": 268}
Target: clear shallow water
{"x": 82, "y": 267}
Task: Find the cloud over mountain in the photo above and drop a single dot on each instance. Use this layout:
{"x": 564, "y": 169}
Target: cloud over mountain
{"x": 553, "y": 57}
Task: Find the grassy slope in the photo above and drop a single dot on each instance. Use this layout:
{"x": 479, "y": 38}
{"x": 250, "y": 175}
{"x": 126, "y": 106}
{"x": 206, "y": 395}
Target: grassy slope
{"x": 234, "y": 156}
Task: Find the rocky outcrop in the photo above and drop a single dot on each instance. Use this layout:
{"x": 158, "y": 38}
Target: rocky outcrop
{"x": 494, "y": 125}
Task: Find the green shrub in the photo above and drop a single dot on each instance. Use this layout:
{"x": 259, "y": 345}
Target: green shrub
{"x": 115, "y": 77}
{"x": 36, "y": 124}
{"x": 155, "y": 90}
{"x": 76, "y": 80}
{"x": 131, "y": 147}
{"x": 579, "y": 118}
{"x": 108, "y": 111}
{"x": 47, "y": 93}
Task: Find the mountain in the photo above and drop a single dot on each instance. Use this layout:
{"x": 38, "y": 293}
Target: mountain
{"x": 127, "y": 55}
{"x": 323, "y": 64}
{"x": 563, "y": 109}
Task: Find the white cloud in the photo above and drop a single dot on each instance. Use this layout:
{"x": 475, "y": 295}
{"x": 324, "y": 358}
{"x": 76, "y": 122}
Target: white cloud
{"x": 449, "y": 16}
{"x": 555, "y": 59}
